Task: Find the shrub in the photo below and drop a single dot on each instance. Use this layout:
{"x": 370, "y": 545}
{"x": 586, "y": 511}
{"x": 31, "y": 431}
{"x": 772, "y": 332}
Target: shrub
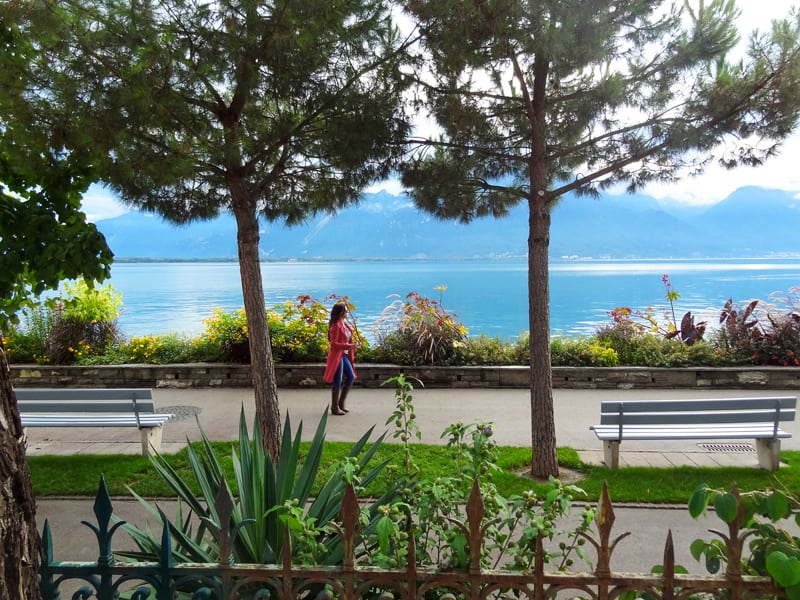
{"x": 84, "y": 323}
{"x": 27, "y": 341}
{"x": 144, "y": 349}
{"x": 485, "y": 350}
{"x": 581, "y": 352}
{"x": 780, "y": 331}
{"x": 520, "y": 350}
{"x": 393, "y": 348}
{"x": 155, "y": 349}
{"x": 298, "y": 332}
{"x": 738, "y": 333}
{"x": 424, "y": 327}
{"x": 225, "y": 337}
{"x": 761, "y": 332}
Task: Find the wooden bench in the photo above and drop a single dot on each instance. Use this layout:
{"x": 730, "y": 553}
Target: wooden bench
{"x": 725, "y": 418}
{"x": 95, "y": 407}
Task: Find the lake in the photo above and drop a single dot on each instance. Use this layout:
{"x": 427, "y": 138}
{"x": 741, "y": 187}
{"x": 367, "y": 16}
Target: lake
{"x": 488, "y": 296}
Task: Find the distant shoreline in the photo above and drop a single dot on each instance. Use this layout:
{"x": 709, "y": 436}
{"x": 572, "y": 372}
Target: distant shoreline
{"x": 567, "y": 259}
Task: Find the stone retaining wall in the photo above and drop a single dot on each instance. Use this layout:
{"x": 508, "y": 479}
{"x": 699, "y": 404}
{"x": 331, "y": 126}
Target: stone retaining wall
{"x": 371, "y": 375}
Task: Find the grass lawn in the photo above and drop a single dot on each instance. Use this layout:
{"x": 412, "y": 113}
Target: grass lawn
{"x": 79, "y": 475}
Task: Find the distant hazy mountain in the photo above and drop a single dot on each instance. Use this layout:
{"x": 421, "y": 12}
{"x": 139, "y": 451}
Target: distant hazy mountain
{"x": 750, "y": 222}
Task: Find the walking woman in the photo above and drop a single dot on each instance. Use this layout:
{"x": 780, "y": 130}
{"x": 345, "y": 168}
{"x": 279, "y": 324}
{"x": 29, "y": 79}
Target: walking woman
{"x": 339, "y": 369}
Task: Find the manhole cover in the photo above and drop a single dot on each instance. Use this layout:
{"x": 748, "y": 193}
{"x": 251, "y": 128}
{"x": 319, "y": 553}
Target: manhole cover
{"x": 181, "y": 412}
{"x": 727, "y": 447}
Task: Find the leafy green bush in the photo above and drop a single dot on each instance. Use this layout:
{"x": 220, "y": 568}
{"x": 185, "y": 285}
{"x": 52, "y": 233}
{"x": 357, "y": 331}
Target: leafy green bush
{"x": 27, "y": 341}
{"x": 76, "y": 326}
{"x": 485, "y": 350}
{"x": 646, "y": 350}
{"x": 224, "y": 337}
{"x": 581, "y": 352}
{"x": 159, "y": 349}
{"x": 392, "y": 348}
{"x": 84, "y": 322}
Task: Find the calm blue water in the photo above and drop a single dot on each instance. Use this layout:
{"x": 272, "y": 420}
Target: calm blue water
{"x": 488, "y": 296}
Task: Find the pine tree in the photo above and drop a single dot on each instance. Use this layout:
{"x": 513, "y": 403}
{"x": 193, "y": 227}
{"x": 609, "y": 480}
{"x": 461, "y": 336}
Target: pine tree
{"x": 266, "y": 110}
{"x": 538, "y": 99}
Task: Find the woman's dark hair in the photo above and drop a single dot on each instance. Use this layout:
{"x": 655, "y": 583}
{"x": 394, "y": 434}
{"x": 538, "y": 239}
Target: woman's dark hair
{"x": 336, "y": 312}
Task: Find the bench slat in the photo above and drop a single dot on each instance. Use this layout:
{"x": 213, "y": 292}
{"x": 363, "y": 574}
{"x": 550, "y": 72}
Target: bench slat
{"x": 57, "y": 420}
{"x": 703, "y": 404}
{"x": 73, "y": 406}
{"x": 698, "y": 417}
{"x": 687, "y": 432}
{"x": 73, "y": 394}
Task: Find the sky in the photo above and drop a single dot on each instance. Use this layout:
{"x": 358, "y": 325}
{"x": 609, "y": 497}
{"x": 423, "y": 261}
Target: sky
{"x": 780, "y": 172}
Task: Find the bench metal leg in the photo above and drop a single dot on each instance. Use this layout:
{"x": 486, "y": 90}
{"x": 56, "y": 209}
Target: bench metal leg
{"x": 611, "y": 454}
{"x": 769, "y": 453}
{"x": 151, "y": 440}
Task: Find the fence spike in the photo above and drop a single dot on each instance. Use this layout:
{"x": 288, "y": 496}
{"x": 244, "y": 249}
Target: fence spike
{"x": 475, "y": 514}
{"x": 669, "y": 568}
{"x": 223, "y": 503}
{"x": 103, "y": 510}
{"x": 604, "y": 518}
{"x": 349, "y": 512}
{"x": 47, "y": 543}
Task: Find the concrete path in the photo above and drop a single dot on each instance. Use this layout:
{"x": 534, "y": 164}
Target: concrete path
{"x": 509, "y": 410}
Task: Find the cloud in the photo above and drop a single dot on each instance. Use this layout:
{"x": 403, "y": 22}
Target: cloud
{"x": 716, "y": 183}
{"x": 392, "y": 186}
{"x": 100, "y": 203}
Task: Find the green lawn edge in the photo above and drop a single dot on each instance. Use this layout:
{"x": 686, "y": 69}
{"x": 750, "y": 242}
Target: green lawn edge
{"x": 79, "y": 475}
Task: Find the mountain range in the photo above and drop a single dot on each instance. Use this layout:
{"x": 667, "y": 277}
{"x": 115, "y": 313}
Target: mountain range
{"x": 751, "y": 222}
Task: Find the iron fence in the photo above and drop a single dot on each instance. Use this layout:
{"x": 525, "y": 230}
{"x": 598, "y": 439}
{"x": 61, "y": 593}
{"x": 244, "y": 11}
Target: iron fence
{"x": 109, "y": 578}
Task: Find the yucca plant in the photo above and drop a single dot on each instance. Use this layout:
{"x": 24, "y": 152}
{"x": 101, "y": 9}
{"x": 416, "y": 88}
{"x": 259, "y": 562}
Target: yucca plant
{"x": 268, "y": 496}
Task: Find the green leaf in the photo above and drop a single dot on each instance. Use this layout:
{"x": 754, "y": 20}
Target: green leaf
{"x": 698, "y": 548}
{"x": 793, "y": 592}
{"x": 460, "y": 550}
{"x": 712, "y": 564}
{"x": 385, "y": 527}
{"x": 699, "y": 501}
{"x": 777, "y": 505}
{"x": 727, "y": 507}
{"x": 785, "y": 570}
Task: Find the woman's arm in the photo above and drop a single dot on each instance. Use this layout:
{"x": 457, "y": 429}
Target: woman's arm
{"x": 339, "y": 338}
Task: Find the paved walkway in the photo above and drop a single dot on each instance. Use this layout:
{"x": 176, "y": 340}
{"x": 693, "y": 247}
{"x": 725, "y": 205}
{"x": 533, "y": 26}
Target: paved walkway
{"x": 575, "y": 410}
{"x": 509, "y": 410}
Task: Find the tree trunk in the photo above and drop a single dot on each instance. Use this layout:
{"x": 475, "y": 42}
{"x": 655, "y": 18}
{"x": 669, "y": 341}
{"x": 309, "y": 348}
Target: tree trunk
{"x": 544, "y": 460}
{"x": 262, "y": 364}
{"x": 19, "y": 560}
